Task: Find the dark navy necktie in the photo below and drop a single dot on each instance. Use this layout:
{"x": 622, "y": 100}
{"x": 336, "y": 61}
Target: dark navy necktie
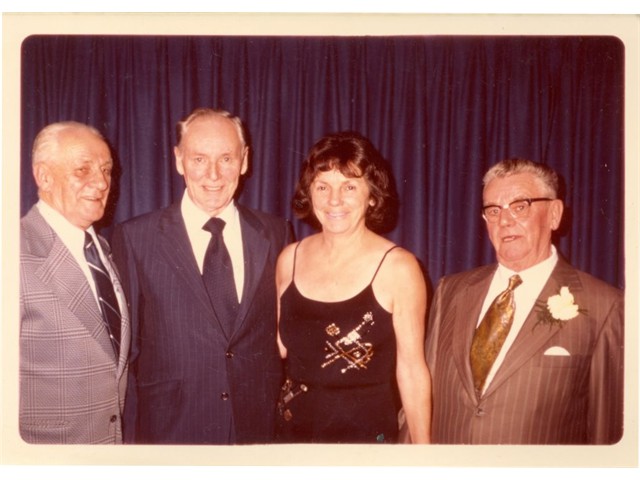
{"x": 104, "y": 289}
{"x": 217, "y": 274}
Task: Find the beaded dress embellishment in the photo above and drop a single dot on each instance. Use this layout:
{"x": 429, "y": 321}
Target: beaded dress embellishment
{"x": 349, "y": 347}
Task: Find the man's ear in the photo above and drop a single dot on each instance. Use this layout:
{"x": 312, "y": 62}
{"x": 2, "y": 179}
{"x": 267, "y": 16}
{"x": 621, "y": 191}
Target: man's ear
{"x": 245, "y": 161}
{"x": 43, "y": 177}
{"x": 557, "y": 208}
{"x": 178, "y": 154}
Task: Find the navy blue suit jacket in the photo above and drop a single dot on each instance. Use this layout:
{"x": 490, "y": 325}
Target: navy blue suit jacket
{"x": 190, "y": 383}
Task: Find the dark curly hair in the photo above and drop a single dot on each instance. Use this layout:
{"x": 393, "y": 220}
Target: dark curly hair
{"x": 354, "y": 156}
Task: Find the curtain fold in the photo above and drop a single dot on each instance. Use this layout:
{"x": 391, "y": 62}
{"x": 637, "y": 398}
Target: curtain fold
{"x": 441, "y": 109}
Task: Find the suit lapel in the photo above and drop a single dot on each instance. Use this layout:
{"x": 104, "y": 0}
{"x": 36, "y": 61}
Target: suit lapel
{"x": 532, "y": 337}
{"x": 125, "y": 327}
{"x": 61, "y": 271}
{"x": 255, "y": 248}
{"x": 476, "y": 288}
{"x": 175, "y": 249}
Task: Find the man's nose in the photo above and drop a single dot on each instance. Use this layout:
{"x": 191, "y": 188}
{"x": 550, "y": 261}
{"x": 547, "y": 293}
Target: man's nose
{"x": 213, "y": 170}
{"x": 506, "y": 217}
{"x": 102, "y": 179}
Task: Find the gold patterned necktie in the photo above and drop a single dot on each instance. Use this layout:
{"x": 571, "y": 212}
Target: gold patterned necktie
{"x": 491, "y": 333}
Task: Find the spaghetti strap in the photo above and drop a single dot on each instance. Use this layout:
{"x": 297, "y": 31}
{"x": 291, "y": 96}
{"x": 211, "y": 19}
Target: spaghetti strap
{"x": 295, "y": 255}
{"x": 380, "y": 264}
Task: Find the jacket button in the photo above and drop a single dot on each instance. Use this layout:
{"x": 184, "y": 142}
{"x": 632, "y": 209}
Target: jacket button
{"x": 479, "y": 412}
{"x": 224, "y": 396}
{"x": 113, "y": 418}
{"x": 229, "y": 354}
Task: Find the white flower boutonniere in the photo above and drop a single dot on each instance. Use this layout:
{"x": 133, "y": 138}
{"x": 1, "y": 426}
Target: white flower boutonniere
{"x": 559, "y": 309}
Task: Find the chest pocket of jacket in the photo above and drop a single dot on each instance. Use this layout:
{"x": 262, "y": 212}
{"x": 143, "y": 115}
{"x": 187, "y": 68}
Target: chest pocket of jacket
{"x": 560, "y": 361}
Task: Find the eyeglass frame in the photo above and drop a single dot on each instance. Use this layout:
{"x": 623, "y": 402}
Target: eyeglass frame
{"x": 507, "y": 207}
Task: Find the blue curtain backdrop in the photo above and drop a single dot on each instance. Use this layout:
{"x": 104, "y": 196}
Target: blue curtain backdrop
{"x": 441, "y": 109}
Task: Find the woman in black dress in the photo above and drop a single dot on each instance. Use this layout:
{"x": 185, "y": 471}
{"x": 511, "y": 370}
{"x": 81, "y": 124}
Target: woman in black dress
{"x": 352, "y": 308}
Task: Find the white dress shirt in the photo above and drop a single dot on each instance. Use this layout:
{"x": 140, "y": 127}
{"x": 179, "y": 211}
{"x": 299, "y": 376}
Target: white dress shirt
{"x": 73, "y": 238}
{"x": 525, "y": 296}
{"x": 194, "y": 220}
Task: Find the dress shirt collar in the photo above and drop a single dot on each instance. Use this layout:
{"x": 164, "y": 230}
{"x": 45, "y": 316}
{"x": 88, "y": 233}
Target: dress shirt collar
{"x": 195, "y": 218}
{"x": 533, "y": 280}
{"x": 71, "y": 236}
{"x": 537, "y": 274}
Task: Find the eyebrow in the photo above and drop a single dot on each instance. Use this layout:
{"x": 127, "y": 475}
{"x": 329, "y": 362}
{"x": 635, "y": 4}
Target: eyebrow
{"x": 517, "y": 199}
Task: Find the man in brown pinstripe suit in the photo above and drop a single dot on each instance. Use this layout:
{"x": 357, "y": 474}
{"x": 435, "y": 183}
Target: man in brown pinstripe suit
{"x": 558, "y": 377}
{"x": 73, "y": 362}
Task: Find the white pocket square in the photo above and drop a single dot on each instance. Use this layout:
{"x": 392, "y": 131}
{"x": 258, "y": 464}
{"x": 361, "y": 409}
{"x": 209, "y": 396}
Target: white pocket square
{"x": 557, "y": 351}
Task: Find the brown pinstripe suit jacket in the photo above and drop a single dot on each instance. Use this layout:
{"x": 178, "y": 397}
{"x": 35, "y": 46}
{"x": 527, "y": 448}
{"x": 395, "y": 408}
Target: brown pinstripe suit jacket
{"x": 534, "y": 398}
{"x": 71, "y": 385}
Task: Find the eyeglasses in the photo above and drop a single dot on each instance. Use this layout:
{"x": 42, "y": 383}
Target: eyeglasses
{"x": 517, "y": 209}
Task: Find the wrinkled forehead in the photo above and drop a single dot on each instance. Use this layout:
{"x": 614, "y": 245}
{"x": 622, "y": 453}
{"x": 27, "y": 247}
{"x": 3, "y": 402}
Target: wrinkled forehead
{"x": 83, "y": 144}
{"x": 514, "y": 186}
{"x": 212, "y": 128}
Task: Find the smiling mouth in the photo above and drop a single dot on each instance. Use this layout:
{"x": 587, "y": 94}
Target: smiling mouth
{"x": 212, "y": 189}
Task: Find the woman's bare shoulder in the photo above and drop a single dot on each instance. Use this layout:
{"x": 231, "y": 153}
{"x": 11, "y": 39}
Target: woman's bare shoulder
{"x": 399, "y": 263}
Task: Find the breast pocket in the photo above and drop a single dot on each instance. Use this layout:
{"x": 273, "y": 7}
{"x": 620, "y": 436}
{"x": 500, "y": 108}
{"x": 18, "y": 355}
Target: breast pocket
{"x": 560, "y": 361}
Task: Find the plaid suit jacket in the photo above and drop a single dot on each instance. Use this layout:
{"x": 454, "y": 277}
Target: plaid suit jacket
{"x": 535, "y": 397}
{"x": 71, "y": 385}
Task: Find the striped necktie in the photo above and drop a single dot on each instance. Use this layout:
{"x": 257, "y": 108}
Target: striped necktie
{"x": 106, "y": 294}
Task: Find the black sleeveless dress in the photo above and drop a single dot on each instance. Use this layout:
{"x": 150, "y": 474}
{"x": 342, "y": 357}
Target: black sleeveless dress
{"x": 341, "y": 361}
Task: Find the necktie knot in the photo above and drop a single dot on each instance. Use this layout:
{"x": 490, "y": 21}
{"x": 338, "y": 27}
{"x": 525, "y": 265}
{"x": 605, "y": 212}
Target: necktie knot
{"x": 88, "y": 240}
{"x": 214, "y": 225}
{"x": 514, "y": 281}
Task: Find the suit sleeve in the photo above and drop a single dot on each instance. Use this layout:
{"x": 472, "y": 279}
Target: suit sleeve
{"x": 124, "y": 260}
{"x": 607, "y": 379}
{"x": 433, "y": 329}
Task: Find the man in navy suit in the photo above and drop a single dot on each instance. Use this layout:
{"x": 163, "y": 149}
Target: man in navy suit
{"x": 199, "y": 376}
